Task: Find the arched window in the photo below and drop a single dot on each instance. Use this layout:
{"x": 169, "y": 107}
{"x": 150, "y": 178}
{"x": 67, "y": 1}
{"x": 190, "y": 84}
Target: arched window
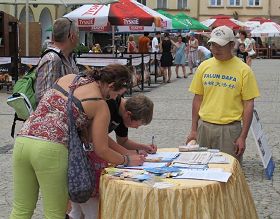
{"x": 46, "y": 24}
{"x": 22, "y": 15}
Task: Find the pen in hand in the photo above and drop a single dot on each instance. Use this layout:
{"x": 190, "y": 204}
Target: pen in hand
{"x": 154, "y": 147}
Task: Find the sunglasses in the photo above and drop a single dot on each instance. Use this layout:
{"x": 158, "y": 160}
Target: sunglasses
{"x": 126, "y": 84}
{"x": 70, "y": 26}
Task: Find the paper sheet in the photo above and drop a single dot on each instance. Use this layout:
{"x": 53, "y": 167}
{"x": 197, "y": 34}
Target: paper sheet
{"x": 219, "y": 159}
{"x": 146, "y": 165}
{"x": 163, "y": 156}
{"x": 194, "y": 158}
{"x": 214, "y": 175}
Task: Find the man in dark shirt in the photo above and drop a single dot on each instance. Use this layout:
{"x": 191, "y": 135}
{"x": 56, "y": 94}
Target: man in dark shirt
{"x": 130, "y": 113}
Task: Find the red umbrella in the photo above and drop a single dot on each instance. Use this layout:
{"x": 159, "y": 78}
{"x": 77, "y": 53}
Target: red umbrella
{"x": 260, "y": 19}
{"x": 125, "y": 12}
{"x": 221, "y": 20}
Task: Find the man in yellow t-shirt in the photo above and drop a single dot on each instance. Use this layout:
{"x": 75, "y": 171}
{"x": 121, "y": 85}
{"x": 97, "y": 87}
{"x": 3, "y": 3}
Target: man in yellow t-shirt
{"x": 224, "y": 90}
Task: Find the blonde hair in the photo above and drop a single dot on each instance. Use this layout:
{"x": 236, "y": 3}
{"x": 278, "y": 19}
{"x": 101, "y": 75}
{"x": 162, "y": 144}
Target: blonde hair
{"x": 130, "y": 38}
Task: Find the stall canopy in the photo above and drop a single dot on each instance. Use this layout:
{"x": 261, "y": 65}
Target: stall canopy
{"x": 125, "y": 15}
{"x": 251, "y": 25}
{"x": 220, "y": 20}
{"x": 177, "y": 25}
{"x": 193, "y": 23}
{"x": 267, "y": 29}
{"x": 260, "y": 19}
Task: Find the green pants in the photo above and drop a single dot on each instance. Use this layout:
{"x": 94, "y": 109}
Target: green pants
{"x": 39, "y": 165}
{"x": 220, "y": 137}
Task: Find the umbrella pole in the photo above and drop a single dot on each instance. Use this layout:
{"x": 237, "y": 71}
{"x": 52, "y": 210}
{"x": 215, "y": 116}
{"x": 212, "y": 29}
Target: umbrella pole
{"x": 113, "y": 39}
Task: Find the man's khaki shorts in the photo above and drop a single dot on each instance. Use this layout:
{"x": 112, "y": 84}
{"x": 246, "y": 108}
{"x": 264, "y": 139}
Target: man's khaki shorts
{"x": 218, "y": 136}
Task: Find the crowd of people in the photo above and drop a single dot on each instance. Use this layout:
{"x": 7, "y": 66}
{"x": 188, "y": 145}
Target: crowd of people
{"x": 187, "y": 51}
{"x": 224, "y": 89}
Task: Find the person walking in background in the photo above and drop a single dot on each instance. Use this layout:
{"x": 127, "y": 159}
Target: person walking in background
{"x": 180, "y": 56}
{"x": 40, "y": 155}
{"x": 203, "y": 53}
{"x": 192, "y": 52}
{"x": 144, "y": 43}
{"x": 248, "y": 44}
{"x": 241, "y": 53}
{"x": 166, "y": 59}
{"x": 125, "y": 113}
{"x": 131, "y": 45}
{"x": 51, "y": 67}
{"x": 46, "y": 43}
{"x": 252, "y": 52}
{"x": 224, "y": 90}
{"x": 155, "y": 43}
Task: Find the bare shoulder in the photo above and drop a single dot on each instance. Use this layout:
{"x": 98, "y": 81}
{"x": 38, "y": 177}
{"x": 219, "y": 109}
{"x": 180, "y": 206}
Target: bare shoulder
{"x": 94, "y": 108}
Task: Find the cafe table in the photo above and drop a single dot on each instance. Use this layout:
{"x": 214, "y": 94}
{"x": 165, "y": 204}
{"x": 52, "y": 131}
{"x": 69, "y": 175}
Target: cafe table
{"x": 187, "y": 199}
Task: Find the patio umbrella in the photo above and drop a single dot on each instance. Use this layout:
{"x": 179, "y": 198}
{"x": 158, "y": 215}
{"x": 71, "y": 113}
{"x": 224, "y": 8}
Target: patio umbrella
{"x": 267, "y": 29}
{"x": 251, "y": 25}
{"x": 177, "y": 25}
{"x": 260, "y": 19}
{"x": 193, "y": 23}
{"x": 123, "y": 13}
{"x": 221, "y": 20}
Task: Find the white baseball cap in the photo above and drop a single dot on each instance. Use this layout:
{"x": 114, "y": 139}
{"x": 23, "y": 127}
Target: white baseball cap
{"x": 222, "y": 35}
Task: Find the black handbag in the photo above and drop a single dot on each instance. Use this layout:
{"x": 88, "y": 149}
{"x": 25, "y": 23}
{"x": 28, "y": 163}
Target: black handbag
{"x": 80, "y": 171}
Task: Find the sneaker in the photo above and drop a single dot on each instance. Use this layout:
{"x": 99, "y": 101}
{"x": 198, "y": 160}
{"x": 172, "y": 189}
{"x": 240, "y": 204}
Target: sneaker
{"x": 178, "y": 77}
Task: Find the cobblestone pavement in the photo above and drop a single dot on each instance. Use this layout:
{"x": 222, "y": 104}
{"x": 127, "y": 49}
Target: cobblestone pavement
{"x": 172, "y": 120}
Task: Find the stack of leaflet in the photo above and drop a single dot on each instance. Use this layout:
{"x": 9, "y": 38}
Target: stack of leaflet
{"x": 194, "y": 158}
{"x": 145, "y": 165}
{"x": 207, "y": 174}
{"x": 190, "y": 165}
{"x": 157, "y": 161}
{"x": 218, "y": 158}
{"x": 162, "y": 157}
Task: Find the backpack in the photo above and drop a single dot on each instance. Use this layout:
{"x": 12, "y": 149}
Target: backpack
{"x": 23, "y": 99}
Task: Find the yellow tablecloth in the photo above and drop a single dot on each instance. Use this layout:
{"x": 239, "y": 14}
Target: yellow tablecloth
{"x": 199, "y": 199}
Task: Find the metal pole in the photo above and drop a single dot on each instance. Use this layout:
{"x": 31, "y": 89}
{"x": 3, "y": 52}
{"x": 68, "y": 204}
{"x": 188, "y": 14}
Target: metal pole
{"x": 113, "y": 39}
{"x": 16, "y": 9}
{"x": 27, "y": 28}
{"x": 142, "y": 72}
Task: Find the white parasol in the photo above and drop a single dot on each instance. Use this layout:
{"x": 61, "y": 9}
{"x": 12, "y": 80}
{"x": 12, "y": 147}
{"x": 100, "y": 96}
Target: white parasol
{"x": 267, "y": 29}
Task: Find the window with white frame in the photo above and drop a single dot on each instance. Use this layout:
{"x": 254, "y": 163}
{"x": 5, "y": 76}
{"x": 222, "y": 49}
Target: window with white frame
{"x": 254, "y": 2}
{"x": 143, "y": 2}
{"x": 215, "y": 2}
{"x": 182, "y": 4}
{"x": 235, "y": 2}
{"x": 161, "y": 3}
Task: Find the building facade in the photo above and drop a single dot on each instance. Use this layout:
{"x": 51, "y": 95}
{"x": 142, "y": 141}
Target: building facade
{"x": 46, "y": 11}
{"x": 204, "y": 9}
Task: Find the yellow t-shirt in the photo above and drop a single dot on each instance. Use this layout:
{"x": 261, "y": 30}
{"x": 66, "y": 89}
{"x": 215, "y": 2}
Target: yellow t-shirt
{"x": 223, "y": 84}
